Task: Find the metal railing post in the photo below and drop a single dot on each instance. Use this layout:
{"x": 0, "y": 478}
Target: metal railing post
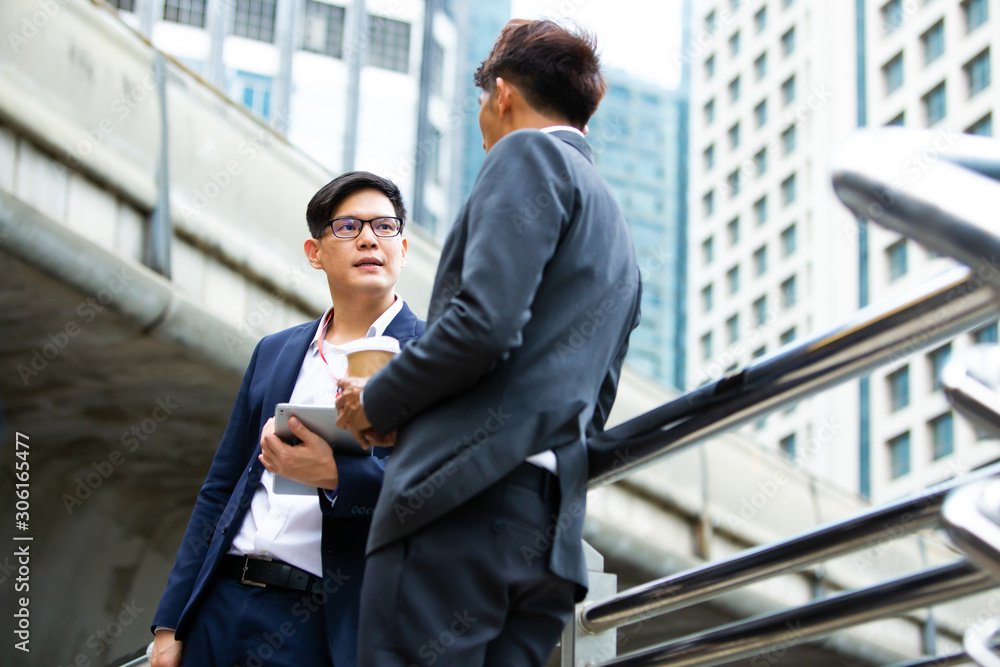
{"x": 579, "y": 647}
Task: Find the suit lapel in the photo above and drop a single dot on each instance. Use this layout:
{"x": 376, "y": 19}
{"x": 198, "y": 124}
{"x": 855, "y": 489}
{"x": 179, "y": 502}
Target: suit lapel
{"x": 404, "y": 326}
{"x": 286, "y": 368}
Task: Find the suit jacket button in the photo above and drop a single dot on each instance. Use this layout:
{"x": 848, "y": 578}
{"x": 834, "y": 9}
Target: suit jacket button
{"x": 497, "y": 526}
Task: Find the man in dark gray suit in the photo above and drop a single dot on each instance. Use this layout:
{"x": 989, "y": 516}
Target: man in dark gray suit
{"x": 475, "y": 555}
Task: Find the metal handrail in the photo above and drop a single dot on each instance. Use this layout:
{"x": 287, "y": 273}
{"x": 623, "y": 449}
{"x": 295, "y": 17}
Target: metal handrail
{"x": 791, "y": 627}
{"x": 836, "y": 538}
{"x": 978, "y": 643}
{"x": 951, "y": 213}
{"x": 949, "y": 304}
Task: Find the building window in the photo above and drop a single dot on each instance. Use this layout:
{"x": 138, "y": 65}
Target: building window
{"x": 896, "y": 258}
{"x": 899, "y": 388}
{"x": 760, "y": 310}
{"x": 760, "y": 19}
{"x": 733, "y": 328}
{"x": 733, "y": 230}
{"x": 708, "y": 250}
{"x": 760, "y": 113}
{"x": 710, "y": 22}
{"x": 787, "y": 445}
{"x": 434, "y": 155}
{"x": 254, "y": 19}
{"x": 892, "y": 73}
{"x": 933, "y": 41}
{"x": 788, "y": 140}
{"x": 937, "y": 359}
{"x": 706, "y": 346}
{"x": 760, "y": 210}
{"x": 987, "y": 334}
{"x": 934, "y": 104}
{"x": 324, "y": 29}
{"x": 788, "y": 190}
{"x": 389, "y": 47}
{"x": 734, "y": 136}
{"x": 788, "y": 336}
{"x": 976, "y": 12}
{"x": 708, "y": 203}
{"x": 760, "y": 162}
{"x": 127, "y": 5}
{"x": 707, "y": 298}
{"x": 734, "y": 89}
{"x": 733, "y": 279}
{"x": 734, "y": 44}
{"x": 760, "y": 66}
{"x": 709, "y": 111}
{"x": 437, "y": 69}
{"x": 255, "y": 92}
{"x": 982, "y": 127}
{"x": 710, "y": 66}
{"x": 788, "y": 240}
{"x": 899, "y": 120}
{"x": 788, "y": 90}
{"x": 709, "y": 156}
{"x": 977, "y": 72}
{"x": 788, "y": 292}
{"x": 892, "y": 16}
{"x": 760, "y": 260}
{"x": 190, "y": 12}
{"x": 788, "y": 41}
{"x": 733, "y": 183}
{"x": 942, "y": 436}
{"x": 899, "y": 455}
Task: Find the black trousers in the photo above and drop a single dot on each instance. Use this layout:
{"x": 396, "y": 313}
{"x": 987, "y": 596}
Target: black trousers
{"x": 472, "y": 588}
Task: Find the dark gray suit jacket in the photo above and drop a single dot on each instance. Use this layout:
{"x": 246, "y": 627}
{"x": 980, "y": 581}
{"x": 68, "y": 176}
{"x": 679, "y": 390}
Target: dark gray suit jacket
{"x": 536, "y": 293}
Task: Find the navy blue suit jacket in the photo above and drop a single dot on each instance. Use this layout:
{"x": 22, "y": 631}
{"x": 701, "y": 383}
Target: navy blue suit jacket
{"x": 233, "y": 479}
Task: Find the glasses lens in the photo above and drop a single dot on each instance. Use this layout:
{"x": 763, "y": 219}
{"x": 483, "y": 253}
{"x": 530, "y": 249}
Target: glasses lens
{"x": 345, "y": 227}
{"x": 385, "y": 226}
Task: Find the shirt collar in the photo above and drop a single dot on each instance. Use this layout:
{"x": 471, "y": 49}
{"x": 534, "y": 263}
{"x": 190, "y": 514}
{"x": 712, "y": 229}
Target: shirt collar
{"x": 377, "y": 328}
{"x": 560, "y": 128}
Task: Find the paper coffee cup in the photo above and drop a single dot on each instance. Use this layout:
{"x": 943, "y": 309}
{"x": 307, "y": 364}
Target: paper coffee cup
{"x": 365, "y": 363}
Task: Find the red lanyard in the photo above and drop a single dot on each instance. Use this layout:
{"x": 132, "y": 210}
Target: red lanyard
{"x": 322, "y": 338}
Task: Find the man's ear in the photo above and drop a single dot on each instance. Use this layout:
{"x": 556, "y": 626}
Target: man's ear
{"x": 504, "y": 96}
{"x": 405, "y": 245}
{"x": 311, "y": 248}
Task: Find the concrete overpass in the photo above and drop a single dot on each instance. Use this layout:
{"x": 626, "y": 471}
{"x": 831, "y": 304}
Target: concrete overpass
{"x": 136, "y": 275}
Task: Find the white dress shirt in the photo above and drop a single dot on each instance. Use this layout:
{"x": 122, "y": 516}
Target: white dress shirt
{"x": 289, "y": 527}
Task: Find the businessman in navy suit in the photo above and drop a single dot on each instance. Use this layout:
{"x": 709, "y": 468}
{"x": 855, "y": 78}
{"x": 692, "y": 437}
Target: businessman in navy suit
{"x": 263, "y": 578}
{"x": 475, "y": 555}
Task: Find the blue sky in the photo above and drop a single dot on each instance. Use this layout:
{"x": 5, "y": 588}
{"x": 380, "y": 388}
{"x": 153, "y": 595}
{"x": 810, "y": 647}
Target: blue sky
{"x": 639, "y": 36}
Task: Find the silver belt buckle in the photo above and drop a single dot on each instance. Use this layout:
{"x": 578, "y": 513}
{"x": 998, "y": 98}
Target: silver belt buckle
{"x": 246, "y": 563}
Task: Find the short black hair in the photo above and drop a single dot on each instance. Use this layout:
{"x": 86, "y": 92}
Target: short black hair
{"x": 326, "y": 201}
{"x": 557, "y": 69}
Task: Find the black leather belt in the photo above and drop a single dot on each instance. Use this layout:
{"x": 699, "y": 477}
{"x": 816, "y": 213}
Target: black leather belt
{"x": 266, "y": 572}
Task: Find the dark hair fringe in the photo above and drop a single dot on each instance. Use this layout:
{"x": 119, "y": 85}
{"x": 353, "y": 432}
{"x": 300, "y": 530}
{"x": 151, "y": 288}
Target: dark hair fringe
{"x": 329, "y": 197}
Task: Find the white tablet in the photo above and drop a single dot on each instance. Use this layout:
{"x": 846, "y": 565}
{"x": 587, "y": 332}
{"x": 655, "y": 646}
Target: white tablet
{"x": 321, "y": 420}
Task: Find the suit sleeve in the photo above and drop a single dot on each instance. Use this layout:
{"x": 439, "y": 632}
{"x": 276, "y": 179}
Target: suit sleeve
{"x": 517, "y": 213}
{"x": 230, "y": 461}
{"x": 360, "y": 484}
{"x": 609, "y": 387}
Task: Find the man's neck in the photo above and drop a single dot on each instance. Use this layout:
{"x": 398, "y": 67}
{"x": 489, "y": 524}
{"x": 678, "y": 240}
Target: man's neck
{"x": 353, "y": 317}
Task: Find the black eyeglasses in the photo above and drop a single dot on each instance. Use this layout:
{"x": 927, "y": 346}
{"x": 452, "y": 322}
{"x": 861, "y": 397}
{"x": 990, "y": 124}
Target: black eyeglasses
{"x": 350, "y": 228}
